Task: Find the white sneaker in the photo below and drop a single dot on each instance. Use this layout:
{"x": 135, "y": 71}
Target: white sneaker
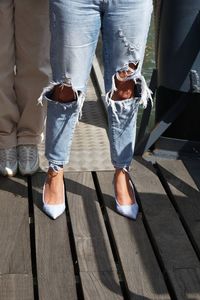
{"x": 8, "y": 161}
{"x": 28, "y": 159}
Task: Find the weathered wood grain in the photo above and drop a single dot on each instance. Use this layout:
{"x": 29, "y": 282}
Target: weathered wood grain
{"x": 56, "y": 279}
{"x": 179, "y": 259}
{"x": 186, "y": 193}
{"x": 15, "y": 256}
{"x": 136, "y": 254}
{"x": 16, "y": 287}
{"x": 97, "y": 268}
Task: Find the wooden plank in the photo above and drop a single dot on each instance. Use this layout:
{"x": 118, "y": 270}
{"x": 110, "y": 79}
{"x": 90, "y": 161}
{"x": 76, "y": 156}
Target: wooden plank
{"x": 193, "y": 167}
{"x": 15, "y": 254}
{"x": 136, "y": 254}
{"x": 97, "y": 268}
{"x": 180, "y": 261}
{"x": 186, "y": 193}
{"x": 56, "y": 279}
{"x": 16, "y": 287}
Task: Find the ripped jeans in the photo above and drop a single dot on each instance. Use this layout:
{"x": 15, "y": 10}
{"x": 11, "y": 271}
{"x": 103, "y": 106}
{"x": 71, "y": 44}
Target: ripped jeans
{"x": 75, "y": 27}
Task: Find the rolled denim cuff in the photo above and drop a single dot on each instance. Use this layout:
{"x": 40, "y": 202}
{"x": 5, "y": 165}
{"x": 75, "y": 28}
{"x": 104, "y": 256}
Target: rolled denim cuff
{"x": 55, "y": 167}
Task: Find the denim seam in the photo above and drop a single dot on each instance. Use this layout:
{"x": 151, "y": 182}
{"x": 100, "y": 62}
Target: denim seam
{"x": 112, "y": 142}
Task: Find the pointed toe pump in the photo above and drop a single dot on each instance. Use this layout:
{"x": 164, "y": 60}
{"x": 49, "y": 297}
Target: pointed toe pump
{"x": 53, "y": 210}
{"x": 130, "y": 211}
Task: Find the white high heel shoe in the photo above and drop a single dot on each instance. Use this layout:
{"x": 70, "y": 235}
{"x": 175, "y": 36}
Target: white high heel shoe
{"x": 53, "y": 210}
{"x": 131, "y": 210}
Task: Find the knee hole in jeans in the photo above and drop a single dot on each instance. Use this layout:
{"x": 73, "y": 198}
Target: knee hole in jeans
{"x": 63, "y": 93}
{"x": 124, "y": 83}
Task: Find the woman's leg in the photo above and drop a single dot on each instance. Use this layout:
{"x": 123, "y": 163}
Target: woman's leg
{"x": 73, "y": 42}
{"x": 124, "y": 45}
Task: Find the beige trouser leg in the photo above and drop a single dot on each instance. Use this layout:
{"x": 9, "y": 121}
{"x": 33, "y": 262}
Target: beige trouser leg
{"x": 27, "y": 47}
{"x": 9, "y": 113}
{"x": 32, "y": 64}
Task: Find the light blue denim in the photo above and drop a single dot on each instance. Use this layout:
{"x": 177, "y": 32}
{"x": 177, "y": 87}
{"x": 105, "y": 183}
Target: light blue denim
{"x": 75, "y": 26}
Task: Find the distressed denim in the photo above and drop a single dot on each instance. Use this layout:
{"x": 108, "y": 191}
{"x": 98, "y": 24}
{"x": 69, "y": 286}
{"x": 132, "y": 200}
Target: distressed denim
{"x": 75, "y": 26}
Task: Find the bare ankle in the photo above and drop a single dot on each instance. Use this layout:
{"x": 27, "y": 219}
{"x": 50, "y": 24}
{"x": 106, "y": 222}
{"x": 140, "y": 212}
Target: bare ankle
{"x": 119, "y": 171}
{"x": 52, "y": 174}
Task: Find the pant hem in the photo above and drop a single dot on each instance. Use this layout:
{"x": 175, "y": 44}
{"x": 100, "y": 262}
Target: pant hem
{"x": 121, "y": 166}
{"x": 8, "y": 146}
{"x": 29, "y": 140}
{"x": 56, "y": 162}
{"x": 8, "y": 140}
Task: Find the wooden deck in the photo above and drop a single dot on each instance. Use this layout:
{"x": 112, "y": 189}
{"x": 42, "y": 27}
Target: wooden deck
{"x": 91, "y": 252}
